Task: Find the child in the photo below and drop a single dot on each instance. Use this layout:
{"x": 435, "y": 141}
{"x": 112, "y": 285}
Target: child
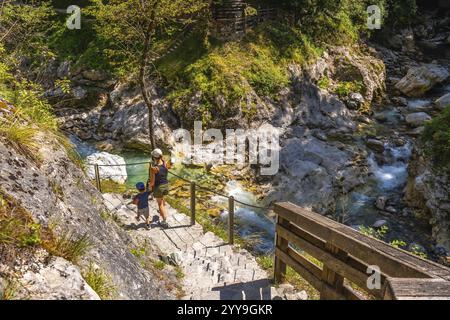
{"x": 141, "y": 200}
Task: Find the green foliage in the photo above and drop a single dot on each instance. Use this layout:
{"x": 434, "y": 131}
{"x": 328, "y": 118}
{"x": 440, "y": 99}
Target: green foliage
{"x": 343, "y": 89}
{"x": 159, "y": 265}
{"x": 398, "y": 244}
{"x": 100, "y": 282}
{"x": 24, "y": 29}
{"x": 436, "y": 136}
{"x": 232, "y": 70}
{"x": 379, "y": 233}
{"x": 324, "y": 83}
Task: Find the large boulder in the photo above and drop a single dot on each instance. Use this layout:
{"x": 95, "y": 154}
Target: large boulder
{"x": 443, "y": 101}
{"x": 420, "y": 79}
{"x": 59, "y": 280}
{"x": 417, "y": 119}
{"x": 112, "y": 167}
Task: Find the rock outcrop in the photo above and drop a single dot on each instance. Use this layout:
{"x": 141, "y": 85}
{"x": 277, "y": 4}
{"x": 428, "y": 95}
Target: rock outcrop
{"x": 57, "y": 194}
{"x": 420, "y": 79}
{"x": 428, "y": 191}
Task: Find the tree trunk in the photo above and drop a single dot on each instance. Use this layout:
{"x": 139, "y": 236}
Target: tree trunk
{"x": 144, "y": 63}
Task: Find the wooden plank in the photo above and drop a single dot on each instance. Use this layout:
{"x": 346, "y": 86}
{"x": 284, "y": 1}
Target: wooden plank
{"x": 393, "y": 262}
{"x": 350, "y": 260}
{"x": 283, "y": 244}
{"x": 331, "y": 294}
{"x": 400, "y": 288}
{"x": 314, "y": 269}
{"x": 334, "y": 279}
{"x": 302, "y": 271}
{"x": 332, "y": 262}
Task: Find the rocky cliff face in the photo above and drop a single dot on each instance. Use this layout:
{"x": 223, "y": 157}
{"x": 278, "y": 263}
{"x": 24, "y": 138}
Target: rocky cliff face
{"x": 57, "y": 194}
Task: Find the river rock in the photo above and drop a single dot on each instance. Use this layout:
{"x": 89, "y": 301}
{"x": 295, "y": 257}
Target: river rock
{"x": 417, "y": 119}
{"x": 391, "y": 209}
{"x": 118, "y": 173}
{"x": 381, "y": 202}
{"x": 379, "y": 223}
{"x": 401, "y": 101}
{"x": 419, "y": 80}
{"x": 355, "y": 100}
{"x": 443, "y": 101}
{"x": 376, "y": 145}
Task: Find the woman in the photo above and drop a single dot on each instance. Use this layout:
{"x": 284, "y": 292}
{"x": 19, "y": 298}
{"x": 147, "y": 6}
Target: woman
{"x": 159, "y": 183}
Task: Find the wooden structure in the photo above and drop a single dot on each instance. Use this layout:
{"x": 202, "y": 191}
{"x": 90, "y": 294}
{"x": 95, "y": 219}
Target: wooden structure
{"x": 231, "y": 18}
{"x": 344, "y": 260}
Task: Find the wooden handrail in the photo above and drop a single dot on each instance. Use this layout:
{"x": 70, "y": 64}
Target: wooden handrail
{"x": 345, "y": 256}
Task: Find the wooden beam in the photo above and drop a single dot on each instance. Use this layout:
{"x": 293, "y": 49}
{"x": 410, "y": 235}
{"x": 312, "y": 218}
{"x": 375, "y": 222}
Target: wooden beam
{"x": 420, "y": 289}
{"x": 332, "y": 262}
{"x": 393, "y": 262}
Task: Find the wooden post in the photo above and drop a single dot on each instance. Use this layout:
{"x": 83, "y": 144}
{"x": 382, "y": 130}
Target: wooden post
{"x": 329, "y": 276}
{"x": 231, "y": 220}
{"x": 282, "y": 244}
{"x": 192, "y": 203}
{"x": 97, "y": 178}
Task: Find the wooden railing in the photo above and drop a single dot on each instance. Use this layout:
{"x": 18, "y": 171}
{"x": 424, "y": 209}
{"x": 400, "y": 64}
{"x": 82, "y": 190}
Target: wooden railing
{"x": 338, "y": 261}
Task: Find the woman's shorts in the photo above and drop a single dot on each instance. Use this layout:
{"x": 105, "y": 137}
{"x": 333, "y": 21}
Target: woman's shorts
{"x": 161, "y": 191}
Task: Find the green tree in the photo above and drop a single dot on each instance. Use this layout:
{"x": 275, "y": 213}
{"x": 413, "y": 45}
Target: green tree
{"x": 24, "y": 26}
{"x": 134, "y": 29}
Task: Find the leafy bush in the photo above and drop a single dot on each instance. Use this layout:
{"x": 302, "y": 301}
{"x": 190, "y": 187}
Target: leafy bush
{"x": 436, "y": 136}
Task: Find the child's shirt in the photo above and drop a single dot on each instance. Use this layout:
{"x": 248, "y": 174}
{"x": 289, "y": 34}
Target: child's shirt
{"x": 141, "y": 199}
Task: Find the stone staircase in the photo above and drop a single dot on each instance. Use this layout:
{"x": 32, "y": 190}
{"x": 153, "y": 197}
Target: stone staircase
{"x": 213, "y": 269}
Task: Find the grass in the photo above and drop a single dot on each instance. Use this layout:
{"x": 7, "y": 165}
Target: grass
{"x": 17, "y": 229}
{"x": 10, "y": 289}
{"x": 68, "y": 246}
{"x": 159, "y": 265}
{"x": 100, "y": 282}
{"x": 21, "y": 136}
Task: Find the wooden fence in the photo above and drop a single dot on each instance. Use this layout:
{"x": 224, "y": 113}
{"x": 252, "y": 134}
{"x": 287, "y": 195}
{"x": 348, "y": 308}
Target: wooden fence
{"x": 342, "y": 258}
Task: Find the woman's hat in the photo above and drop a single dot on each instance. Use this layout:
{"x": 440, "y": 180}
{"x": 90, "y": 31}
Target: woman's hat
{"x": 157, "y": 153}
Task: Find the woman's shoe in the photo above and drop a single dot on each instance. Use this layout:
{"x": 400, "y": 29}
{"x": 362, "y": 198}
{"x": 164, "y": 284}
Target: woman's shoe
{"x": 164, "y": 224}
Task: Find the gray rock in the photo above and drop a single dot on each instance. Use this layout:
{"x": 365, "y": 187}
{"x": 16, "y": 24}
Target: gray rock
{"x": 94, "y": 75}
{"x": 355, "y": 100}
{"x": 79, "y": 93}
{"x": 63, "y": 70}
{"x": 443, "y": 101}
{"x": 59, "y": 280}
{"x": 381, "y": 202}
{"x": 417, "y": 119}
{"x": 380, "y": 223}
{"x": 391, "y": 209}
{"x": 376, "y": 145}
{"x": 421, "y": 79}
{"x": 116, "y": 172}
